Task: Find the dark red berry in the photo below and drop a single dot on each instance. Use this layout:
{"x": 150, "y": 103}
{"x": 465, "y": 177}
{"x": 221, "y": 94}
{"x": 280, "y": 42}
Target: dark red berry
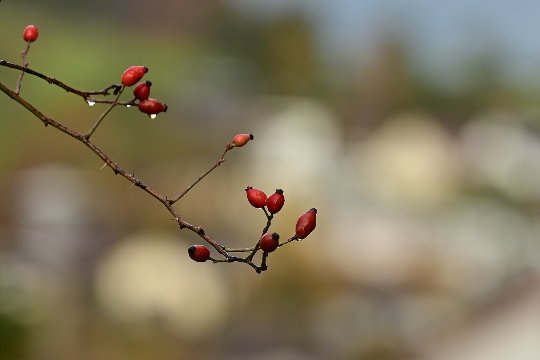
{"x": 133, "y": 74}
{"x": 199, "y": 253}
{"x": 152, "y": 106}
{"x": 241, "y": 139}
{"x": 256, "y": 197}
{"x": 269, "y": 242}
{"x": 306, "y": 223}
{"x": 142, "y": 90}
{"x": 30, "y": 33}
{"x": 275, "y": 201}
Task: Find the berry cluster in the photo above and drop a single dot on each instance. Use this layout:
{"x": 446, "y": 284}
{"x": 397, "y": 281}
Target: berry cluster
{"x": 271, "y": 205}
{"x": 133, "y": 77}
{"x": 147, "y": 105}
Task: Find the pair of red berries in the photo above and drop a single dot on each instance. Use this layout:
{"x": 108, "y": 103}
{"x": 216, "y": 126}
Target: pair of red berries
{"x": 258, "y": 199}
{"x": 147, "y": 105}
{"x": 30, "y": 33}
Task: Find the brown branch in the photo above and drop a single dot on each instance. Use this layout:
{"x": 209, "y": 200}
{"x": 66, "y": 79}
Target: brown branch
{"x": 84, "y": 94}
{"x": 25, "y": 65}
{"x": 183, "y": 224}
{"x": 102, "y": 116}
{"x": 220, "y": 161}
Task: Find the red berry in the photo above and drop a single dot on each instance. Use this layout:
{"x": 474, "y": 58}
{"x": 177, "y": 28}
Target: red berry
{"x": 199, "y": 253}
{"x": 30, "y": 33}
{"x": 133, "y": 74}
{"x": 241, "y": 140}
{"x": 256, "y": 197}
{"x": 152, "y": 106}
{"x": 142, "y": 90}
{"x": 306, "y": 223}
{"x": 269, "y": 242}
{"x": 275, "y": 201}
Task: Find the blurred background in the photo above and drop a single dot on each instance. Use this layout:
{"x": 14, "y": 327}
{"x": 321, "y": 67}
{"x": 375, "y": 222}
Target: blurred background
{"x": 412, "y": 126}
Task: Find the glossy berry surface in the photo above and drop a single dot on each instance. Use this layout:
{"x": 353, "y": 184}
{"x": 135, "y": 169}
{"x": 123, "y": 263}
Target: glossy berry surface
{"x": 199, "y": 253}
{"x": 142, "y": 90}
{"x": 269, "y": 242}
{"x": 275, "y": 202}
{"x": 133, "y": 74}
{"x": 256, "y": 197}
{"x": 241, "y": 139}
{"x": 152, "y": 106}
{"x": 306, "y": 223}
{"x": 30, "y": 33}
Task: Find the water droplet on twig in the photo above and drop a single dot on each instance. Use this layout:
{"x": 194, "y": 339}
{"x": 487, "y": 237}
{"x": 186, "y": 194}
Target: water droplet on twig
{"x": 128, "y": 105}
{"x": 90, "y": 102}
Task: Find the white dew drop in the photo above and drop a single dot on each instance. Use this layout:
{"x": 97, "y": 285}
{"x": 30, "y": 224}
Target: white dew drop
{"x": 90, "y": 102}
{"x": 153, "y": 116}
{"x": 128, "y": 105}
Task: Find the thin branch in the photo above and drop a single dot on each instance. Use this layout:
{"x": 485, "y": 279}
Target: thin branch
{"x": 84, "y": 94}
{"x": 220, "y": 161}
{"x": 105, "y": 113}
{"x": 25, "y": 65}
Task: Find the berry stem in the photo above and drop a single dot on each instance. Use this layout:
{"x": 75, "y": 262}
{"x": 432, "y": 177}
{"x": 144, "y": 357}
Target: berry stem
{"x": 24, "y": 55}
{"x": 220, "y": 161}
{"x": 105, "y": 113}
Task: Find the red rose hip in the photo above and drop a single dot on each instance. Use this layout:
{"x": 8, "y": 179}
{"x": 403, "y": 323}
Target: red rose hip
{"x": 256, "y": 197}
{"x": 133, "y": 74}
{"x": 142, "y": 90}
{"x": 269, "y": 242}
{"x": 152, "y": 106}
{"x": 275, "y": 202}
{"x": 241, "y": 140}
{"x": 199, "y": 253}
{"x": 30, "y": 33}
{"x": 306, "y": 224}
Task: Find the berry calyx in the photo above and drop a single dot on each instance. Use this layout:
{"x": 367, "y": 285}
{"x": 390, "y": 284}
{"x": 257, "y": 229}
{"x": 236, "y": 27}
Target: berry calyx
{"x": 133, "y": 74}
{"x": 142, "y": 90}
{"x": 30, "y": 33}
{"x": 199, "y": 253}
{"x": 306, "y": 223}
{"x": 152, "y": 106}
{"x": 269, "y": 242}
{"x": 256, "y": 197}
{"x": 275, "y": 202}
{"x": 241, "y": 140}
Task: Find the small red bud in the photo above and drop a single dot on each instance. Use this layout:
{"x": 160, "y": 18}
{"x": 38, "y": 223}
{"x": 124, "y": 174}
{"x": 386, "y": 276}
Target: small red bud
{"x": 142, "y": 90}
{"x": 199, "y": 253}
{"x": 256, "y": 197}
{"x": 275, "y": 201}
{"x": 241, "y": 139}
{"x": 30, "y": 33}
{"x": 152, "y": 106}
{"x": 133, "y": 74}
{"x": 306, "y": 223}
{"x": 269, "y": 242}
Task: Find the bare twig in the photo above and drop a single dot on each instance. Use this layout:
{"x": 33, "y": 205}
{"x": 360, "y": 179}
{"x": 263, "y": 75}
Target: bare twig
{"x": 84, "y": 94}
{"x": 102, "y": 116}
{"x": 25, "y": 65}
{"x": 220, "y": 161}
